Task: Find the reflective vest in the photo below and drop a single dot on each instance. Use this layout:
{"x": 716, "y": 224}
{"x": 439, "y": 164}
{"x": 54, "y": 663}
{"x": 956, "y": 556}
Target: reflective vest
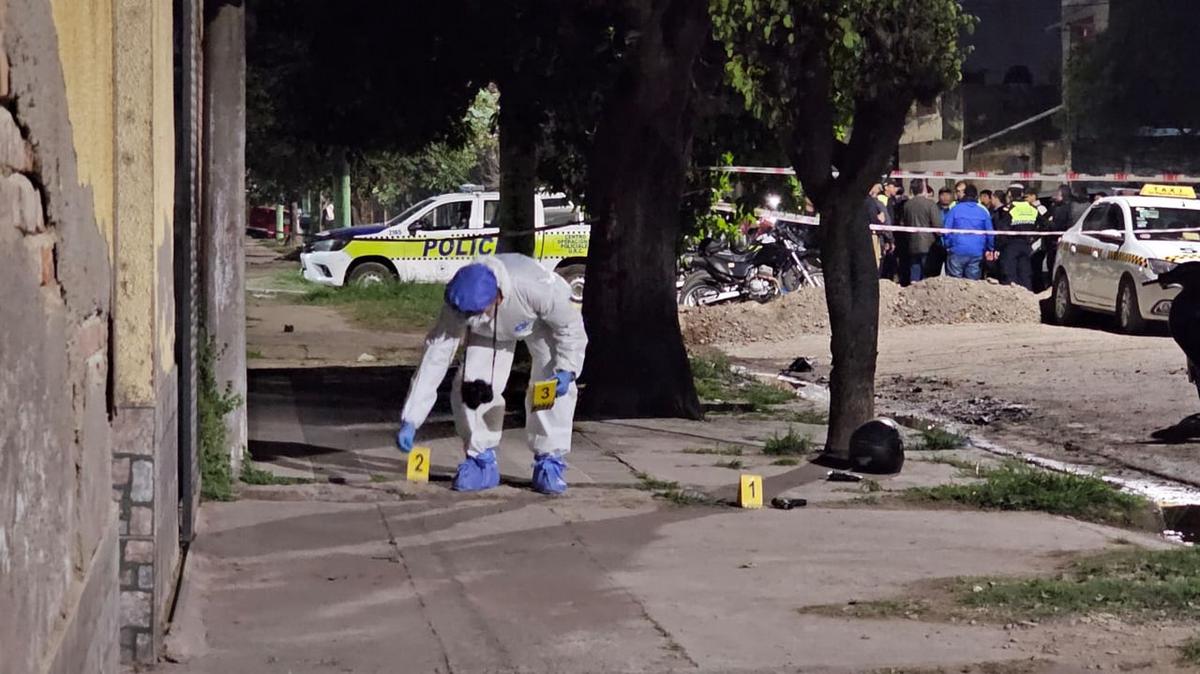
{"x": 1024, "y": 216}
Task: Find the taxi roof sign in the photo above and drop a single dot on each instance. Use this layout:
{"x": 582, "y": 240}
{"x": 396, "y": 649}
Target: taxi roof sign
{"x": 1181, "y": 191}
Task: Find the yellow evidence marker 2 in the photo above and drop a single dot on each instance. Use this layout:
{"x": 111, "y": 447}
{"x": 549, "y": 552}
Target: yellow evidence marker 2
{"x": 418, "y": 464}
{"x": 750, "y": 491}
{"x": 544, "y": 393}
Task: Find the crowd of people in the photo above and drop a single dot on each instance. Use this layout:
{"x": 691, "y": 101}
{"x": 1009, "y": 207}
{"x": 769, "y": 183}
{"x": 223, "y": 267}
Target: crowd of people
{"x": 909, "y": 257}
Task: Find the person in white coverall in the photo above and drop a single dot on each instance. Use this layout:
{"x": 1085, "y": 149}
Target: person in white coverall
{"x": 494, "y": 302}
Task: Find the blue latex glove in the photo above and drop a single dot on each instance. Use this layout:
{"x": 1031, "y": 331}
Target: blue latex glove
{"x": 477, "y": 473}
{"x": 406, "y": 436}
{"x": 564, "y": 382}
{"x": 548, "y": 472}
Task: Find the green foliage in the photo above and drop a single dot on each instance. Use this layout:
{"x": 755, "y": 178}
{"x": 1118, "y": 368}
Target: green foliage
{"x": 938, "y": 438}
{"x": 875, "y": 49}
{"x": 785, "y": 461}
{"x": 384, "y": 306}
{"x": 789, "y": 444}
{"x": 733, "y": 464}
{"x": 1140, "y": 72}
{"x": 259, "y": 477}
{"x": 1131, "y": 583}
{"x": 212, "y": 404}
{"x": 715, "y": 379}
{"x": 1018, "y": 486}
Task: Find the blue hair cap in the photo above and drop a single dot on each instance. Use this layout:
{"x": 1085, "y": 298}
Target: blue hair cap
{"x": 472, "y": 289}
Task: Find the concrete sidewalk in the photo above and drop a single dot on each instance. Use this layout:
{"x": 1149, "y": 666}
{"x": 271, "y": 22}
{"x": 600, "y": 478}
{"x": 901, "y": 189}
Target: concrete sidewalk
{"x": 392, "y": 577}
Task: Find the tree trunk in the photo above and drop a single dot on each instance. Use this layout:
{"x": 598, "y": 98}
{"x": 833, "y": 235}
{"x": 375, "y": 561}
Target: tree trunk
{"x": 636, "y": 362}
{"x": 518, "y": 170}
{"x": 852, "y": 295}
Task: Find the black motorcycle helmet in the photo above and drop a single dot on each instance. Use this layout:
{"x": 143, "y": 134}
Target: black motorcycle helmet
{"x": 876, "y": 447}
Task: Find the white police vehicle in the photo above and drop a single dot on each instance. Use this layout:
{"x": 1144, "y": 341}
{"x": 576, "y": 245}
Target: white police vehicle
{"x": 431, "y": 240}
{"x": 1119, "y": 243}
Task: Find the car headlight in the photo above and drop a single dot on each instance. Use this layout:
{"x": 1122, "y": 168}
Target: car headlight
{"x": 1160, "y": 266}
{"x": 327, "y": 245}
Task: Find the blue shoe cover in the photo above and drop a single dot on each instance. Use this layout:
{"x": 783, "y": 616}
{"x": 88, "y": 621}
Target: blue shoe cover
{"x": 477, "y": 473}
{"x": 548, "y": 472}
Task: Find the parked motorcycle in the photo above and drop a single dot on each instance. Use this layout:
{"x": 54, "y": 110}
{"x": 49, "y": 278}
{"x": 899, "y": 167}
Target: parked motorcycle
{"x": 777, "y": 262}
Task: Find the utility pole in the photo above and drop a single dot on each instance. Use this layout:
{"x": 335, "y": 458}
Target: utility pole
{"x": 341, "y": 191}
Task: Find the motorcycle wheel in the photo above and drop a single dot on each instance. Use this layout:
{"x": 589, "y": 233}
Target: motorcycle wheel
{"x": 696, "y": 287}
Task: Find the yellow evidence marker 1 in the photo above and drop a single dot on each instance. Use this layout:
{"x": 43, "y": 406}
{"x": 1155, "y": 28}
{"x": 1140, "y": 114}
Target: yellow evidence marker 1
{"x": 544, "y": 394}
{"x": 750, "y": 491}
{"x": 418, "y": 464}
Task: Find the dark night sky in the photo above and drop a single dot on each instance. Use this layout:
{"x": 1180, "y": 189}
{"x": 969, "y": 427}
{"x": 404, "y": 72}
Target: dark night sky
{"x": 1016, "y": 32}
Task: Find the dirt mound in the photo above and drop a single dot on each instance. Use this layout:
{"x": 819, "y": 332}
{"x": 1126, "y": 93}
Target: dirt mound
{"x": 937, "y": 301}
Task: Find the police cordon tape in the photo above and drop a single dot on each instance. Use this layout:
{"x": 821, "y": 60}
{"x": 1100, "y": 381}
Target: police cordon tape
{"x": 1068, "y": 177}
{"x": 815, "y": 221}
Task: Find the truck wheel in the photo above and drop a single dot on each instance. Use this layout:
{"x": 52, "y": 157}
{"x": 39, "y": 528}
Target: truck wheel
{"x": 369, "y": 274}
{"x": 1065, "y": 313}
{"x": 574, "y": 275}
{"x": 1129, "y": 314}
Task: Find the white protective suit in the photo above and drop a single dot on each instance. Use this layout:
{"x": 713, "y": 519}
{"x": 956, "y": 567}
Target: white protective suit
{"x": 536, "y": 307}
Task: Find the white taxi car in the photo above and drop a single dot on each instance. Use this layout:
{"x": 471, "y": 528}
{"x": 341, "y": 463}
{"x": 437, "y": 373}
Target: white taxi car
{"x": 431, "y": 240}
{"x": 1119, "y": 243}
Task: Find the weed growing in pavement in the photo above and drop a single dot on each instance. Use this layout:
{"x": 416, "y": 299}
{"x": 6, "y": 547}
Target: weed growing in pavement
{"x": 260, "y": 477}
{"x": 718, "y": 451}
{"x": 791, "y": 444}
{"x": 716, "y": 380}
{"x": 212, "y": 404}
{"x": 965, "y": 468}
{"x": 671, "y": 491}
{"x": 376, "y": 477}
{"x": 786, "y": 461}
{"x": 384, "y": 306}
{"x": 253, "y": 353}
{"x": 1017, "y": 486}
{"x": 870, "y": 486}
{"x": 1158, "y": 583}
{"x": 735, "y": 464}
{"x": 812, "y": 416}
{"x": 937, "y": 438}
{"x": 1189, "y": 651}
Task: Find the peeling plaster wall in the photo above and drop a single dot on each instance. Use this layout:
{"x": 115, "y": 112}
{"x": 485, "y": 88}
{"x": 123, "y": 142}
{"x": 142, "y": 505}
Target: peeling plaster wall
{"x": 58, "y": 526}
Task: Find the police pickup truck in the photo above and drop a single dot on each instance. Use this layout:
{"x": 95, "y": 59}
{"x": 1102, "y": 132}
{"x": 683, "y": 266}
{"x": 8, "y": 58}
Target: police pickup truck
{"x": 431, "y": 240}
{"x": 1119, "y": 243}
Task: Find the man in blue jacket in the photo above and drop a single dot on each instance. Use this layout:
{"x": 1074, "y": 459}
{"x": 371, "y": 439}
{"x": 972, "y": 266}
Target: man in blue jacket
{"x": 964, "y": 252}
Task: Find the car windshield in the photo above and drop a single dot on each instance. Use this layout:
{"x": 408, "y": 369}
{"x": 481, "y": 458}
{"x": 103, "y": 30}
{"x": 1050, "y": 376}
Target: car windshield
{"x": 408, "y": 212}
{"x": 1147, "y": 223}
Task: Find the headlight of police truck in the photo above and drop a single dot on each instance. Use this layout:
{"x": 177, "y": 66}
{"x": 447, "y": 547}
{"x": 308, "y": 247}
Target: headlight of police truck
{"x": 1160, "y": 266}
{"x": 328, "y": 245}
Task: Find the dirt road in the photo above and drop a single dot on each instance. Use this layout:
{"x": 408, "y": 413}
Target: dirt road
{"x": 1083, "y": 395}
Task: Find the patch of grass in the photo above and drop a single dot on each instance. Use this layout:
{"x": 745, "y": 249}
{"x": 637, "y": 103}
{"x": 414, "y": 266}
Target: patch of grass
{"x": 213, "y": 402}
{"x": 289, "y": 279}
{"x": 786, "y": 461}
{"x": 735, "y": 464}
{"x": 376, "y": 477}
{"x": 1189, "y": 651}
{"x": 965, "y": 468}
{"x": 1158, "y": 583}
{"x": 716, "y": 380}
{"x": 933, "y": 439}
{"x": 671, "y": 491}
{"x": 257, "y": 476}
{"x": 717, "y": 451}
{"x": 791, "y": 444}
{"x": 811, "y": 416}
{"x": 384, "y": 306}
{"x": 253, "y": 353}
{"x": 1017, "y": 486}
{"x": 870, "y": 486}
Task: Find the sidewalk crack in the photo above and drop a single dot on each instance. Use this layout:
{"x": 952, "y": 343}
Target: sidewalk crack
{"x": 398, "y": 558}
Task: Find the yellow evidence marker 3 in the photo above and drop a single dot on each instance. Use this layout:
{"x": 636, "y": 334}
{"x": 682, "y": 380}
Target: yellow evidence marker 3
{"x": 544, "y": 394}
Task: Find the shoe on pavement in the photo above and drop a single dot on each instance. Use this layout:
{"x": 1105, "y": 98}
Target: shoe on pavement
{"x": 477, "y": 473}
{"x": 548, "y": 472}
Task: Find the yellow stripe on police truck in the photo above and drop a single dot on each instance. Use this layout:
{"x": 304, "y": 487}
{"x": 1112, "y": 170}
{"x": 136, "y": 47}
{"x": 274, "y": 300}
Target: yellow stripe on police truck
{"x": 556, "y": 245}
